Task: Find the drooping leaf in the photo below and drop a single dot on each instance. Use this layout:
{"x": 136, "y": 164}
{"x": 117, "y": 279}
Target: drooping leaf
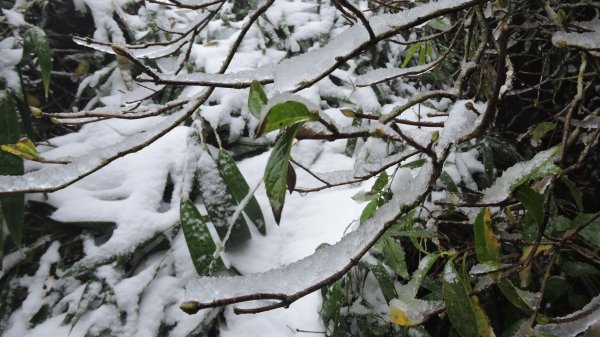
{"x": 199, "y": 241}
{"x": 365, "y": 196}
{"x": 556, "y": 286}
{"x": 36, "y": 40}
{"x": 257, "y": 99}
{"x": 386, "y": 284}
{"x": 515, "y": 296}
{"x": 488, "y": 162}
{"x": 239, "y": 189}
{"x": 578, "y": 269}
{"x": 458, "y": 303}
{"x": 369, "y": 211}
{"x": 487, "y": 247}
{"x": 13, "y": 206}
{"x": 351, "y": 143}
{"x": 285, "y": 114}
{"x": 410, "y": 53}
{"x": 276, "y": 172}
{"x": 448, "y": 182}
{"x": 333, "y": 297}
{"x": 220, "y": 203}
{"x": 532, "y": 201}
{"x": 381, "y": 182}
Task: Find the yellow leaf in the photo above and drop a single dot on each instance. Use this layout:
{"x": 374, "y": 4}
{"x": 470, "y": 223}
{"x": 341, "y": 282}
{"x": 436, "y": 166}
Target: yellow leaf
{"x": 398, "y": 316}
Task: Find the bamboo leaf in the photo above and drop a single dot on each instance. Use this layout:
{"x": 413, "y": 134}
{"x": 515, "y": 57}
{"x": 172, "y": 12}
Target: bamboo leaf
{"x": 199, "y": 241}
{"x": 532, "y": 201}
{"x": 239, "y": 189}
{"x": 459, "y": 305}
{"x": 257, "y": 99}
{"x": 386, "y": 284}
{"x": 285, "y": 114}
{"x": 36, "y": 40}
{"x": 487, "y": 247}
{"x": 13, "y": 206}
{"x": 448, "y": 182}
{"x": 276, "y": 172}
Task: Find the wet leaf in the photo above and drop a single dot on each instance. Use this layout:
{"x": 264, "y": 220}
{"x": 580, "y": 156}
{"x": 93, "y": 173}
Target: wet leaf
{"x": 532, "y": 201}
{"x": 257, "y": 99}
{"x": 199, "y": 241}
{"x": 386, "y": 283}
{"x": 239, "y": 189}
{"x": 284, "y": 114}
{"x": 36, "y": 40}
{"x": 487, "y": 247}
{"x": 276, "y": 172}
{"x": 459, "y": 305}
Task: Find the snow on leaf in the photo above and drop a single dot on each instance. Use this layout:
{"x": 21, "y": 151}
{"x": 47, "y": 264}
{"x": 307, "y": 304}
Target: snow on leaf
{"x": 540, "y": 165}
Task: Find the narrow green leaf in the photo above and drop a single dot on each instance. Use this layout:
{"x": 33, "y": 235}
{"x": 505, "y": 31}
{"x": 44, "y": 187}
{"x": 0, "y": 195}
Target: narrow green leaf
{"x": 410, "y": 53}
{"x": 220, "y": 202}
{"x": 368, "y": 211}
{"x": 515, "y": 296}
{"x": 386, "y": 284}
{"x": 488, "y": 162}
{"x": 364, "y": 196}
{"x": 532, "y": 201}
{"x": 332, "y": 302}
{"x": 291, "y": 178}
{"x": 257, "y": 99}
{"x": 487, "y": 247}
{"x": 459, "y": 305}
{"x": 283, "y": 115}
{"x": 448, "y": 182}
{"x": 574, "y": 192}
{"x": 13, "y": 206}
{"x": 239, "y": 189}
{"x": 578, "y": 269}
{"x": 381, "y": 182}
{"x": 200, "y": 243}
{"x": 35, "y": 39}
{"x": 415, "y": 164}
{"x": 277, "y": 170}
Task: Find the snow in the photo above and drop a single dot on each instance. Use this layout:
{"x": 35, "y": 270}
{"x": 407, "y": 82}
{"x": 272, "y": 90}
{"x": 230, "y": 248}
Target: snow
{"x": 541, "y": 163}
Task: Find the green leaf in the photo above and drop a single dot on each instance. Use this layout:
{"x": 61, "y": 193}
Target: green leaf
{"x": 578, "y": 269}
{"x": 410, "y": 53}
{"x": 380, "y": 183}
{"x": 257, "y": 99}
{"x": 487, "y": 247}
{"x": 488, "y": 162}
{"x": 393, "y": 255}
{"x": 515, "y": 296}
{"x": 199, "y": 241}
{"x": 532, "y": 201}
{"x": 13, "y": 206}
{"x": 219, "y": 202}
{"x": 283, "y": 115}
{"x": 239, "y": 189}
{"x": 415, "y": 163}
{"x": 541, "y": 130}
{"x": 448, "y": 182}
{"x": 277, "y": 170}
{"x": 574, "y": 192}
{"x": 365, "y": 196}
{"x": 36, "y": 40}
{"x": 386, "y": 284}
{"x": 590, "y": 232}
{"x": 459, "y": 305}
{"x": 369, "y": 211}
{"x": 332, "y": 302}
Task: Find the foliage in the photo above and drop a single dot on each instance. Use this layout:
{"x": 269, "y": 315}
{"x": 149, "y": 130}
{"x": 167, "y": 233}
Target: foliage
{"x": 471, "y": 124}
